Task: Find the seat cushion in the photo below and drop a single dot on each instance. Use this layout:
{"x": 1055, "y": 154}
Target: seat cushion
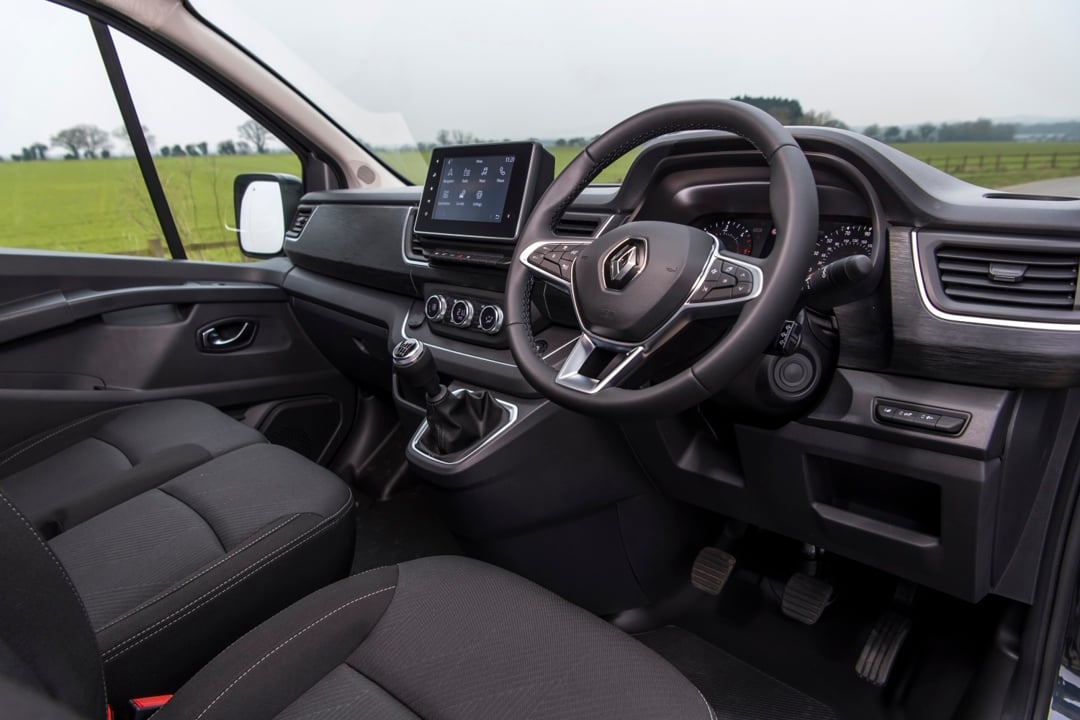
{"x": 441, "y": 637}
{"x": 172, "y": 575}
{"x": 67, "y": 475}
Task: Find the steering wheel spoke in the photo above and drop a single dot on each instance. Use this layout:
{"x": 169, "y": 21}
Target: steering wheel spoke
{"x": 553, "y": 259}
{"x": 593, "y": 366}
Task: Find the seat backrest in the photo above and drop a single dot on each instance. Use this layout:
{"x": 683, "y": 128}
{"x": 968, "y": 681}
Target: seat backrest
{"x": 46, "y": 642}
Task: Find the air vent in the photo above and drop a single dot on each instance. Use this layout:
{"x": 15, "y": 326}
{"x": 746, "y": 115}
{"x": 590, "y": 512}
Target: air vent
{"x": 300, "y": 221}
{"x": 411, "y": 248}
{"x": 1007, "y": 278}
{"x": 582, "y": 224}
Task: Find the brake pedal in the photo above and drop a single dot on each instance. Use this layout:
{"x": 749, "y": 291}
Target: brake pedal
{"x": 882, "y": 647}
{"x": 712, "y": 568}
{"x": 805, "y": 598}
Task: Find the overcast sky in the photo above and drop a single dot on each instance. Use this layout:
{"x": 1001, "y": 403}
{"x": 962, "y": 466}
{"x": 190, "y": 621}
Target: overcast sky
{"x": 391, "y": 69}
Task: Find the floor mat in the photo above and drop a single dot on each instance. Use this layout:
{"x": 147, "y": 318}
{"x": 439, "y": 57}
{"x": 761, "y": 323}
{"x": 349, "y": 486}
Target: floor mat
{"x": 735, "y": 690}
{"x": 402, "y": 528}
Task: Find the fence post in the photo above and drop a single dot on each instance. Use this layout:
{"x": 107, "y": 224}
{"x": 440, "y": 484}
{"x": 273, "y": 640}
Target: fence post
{"x": 154, "y": 246}
{"x": 1053, "y": 161}
{"x": 1026, "y": 155}
{"x": 997, "y": 166}
{"x": 981, "y": 158}
{"x": 963, "y": 165}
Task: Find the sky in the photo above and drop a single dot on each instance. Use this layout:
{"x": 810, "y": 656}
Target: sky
{"x": 393, "y": 71}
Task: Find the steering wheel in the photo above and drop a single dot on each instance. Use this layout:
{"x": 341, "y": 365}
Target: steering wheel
{"x": 636, "y": 286}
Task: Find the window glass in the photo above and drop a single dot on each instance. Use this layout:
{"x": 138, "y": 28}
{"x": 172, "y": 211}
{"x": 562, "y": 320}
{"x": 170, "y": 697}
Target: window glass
{"x": 66, "y": 181}
{"x": 200, "y": 142}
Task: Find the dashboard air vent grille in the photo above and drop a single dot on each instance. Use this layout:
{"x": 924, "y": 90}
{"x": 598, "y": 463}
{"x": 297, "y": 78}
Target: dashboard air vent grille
{"x": 1020, "y": 279}
{"x": 582, "y": 224}
{"x": 300, "y": 221}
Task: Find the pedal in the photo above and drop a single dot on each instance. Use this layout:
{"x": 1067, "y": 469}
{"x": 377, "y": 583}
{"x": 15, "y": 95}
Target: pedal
{"x": 805, "y": 598}
{"x": 712, "y": 568}
{"x": 882, "y": 647}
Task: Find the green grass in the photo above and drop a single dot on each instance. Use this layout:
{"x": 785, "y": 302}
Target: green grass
{"x": 102, "y": 205}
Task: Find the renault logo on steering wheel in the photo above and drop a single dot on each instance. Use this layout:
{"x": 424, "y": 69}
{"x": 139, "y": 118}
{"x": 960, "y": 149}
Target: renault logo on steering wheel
{"x": 625, "y": 263}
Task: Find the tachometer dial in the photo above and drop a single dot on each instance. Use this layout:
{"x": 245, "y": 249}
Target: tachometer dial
{"x": 841, "y": 241}
{"x": 732, "y": 234}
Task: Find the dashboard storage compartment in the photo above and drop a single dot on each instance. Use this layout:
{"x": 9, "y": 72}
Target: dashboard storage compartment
{"x": 924, "y": 515}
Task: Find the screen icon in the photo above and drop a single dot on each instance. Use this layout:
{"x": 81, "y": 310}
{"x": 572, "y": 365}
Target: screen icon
{"x": 479, "y": 194}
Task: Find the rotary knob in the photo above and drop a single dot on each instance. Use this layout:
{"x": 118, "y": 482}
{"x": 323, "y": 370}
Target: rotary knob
{"x": 461, "y": 313}
{"x": 435, "y": 308}
{"x": 490, "y": 319}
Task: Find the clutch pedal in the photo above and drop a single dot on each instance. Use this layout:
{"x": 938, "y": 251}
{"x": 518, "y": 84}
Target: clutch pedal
{"x": 712, "y": 568}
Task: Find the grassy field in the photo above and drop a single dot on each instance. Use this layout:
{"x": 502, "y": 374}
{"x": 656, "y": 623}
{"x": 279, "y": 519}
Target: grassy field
{"x": 102, "y": 205}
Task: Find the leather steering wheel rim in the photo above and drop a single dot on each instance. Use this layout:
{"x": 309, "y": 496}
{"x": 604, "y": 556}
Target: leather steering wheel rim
{"x": 794, "y": 207}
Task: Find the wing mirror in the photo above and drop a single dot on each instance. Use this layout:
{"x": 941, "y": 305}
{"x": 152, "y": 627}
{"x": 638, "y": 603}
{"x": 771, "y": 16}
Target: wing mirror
{"x": 265, "y": 202}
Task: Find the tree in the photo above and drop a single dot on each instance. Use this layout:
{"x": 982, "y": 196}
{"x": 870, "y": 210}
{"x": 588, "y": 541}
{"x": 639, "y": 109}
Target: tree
{"x": 97, "y": 140}
{"x": 203, "y": 148}
{"x": 821, "y": 119}
{"x": 892, "y": 133}
{"x": 256, "y": 134}
{"x": 72, "y": 139}
{"x": 786, "y": 110}
{"x": 873, "y": 131}
{"x": 177, "y": 151}
{"x": 454, "y": 137}
{"x": 226, "y": 147}
{"x": 165, "y": 151}
{"x": 243, "y": 148}
{"x": 926, "y": 131}
{"x": 121, "y": 134}
{"x": 910, "y": 135}
{"x": 191, "y": 149}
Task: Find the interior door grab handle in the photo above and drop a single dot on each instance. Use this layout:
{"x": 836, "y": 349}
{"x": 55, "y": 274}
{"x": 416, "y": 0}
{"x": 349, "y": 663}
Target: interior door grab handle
{"x": 227, "y": 336}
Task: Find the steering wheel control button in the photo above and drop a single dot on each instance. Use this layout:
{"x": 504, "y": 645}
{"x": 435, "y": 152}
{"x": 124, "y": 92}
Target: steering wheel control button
{"x": 949, "y": 422}
{"x": 461, "y": 313}
{"x": 718, "y": 294}
{"x": 536, "y": 258}
{"x": 435, "y": 308}
{"x": 490, "y": 319}
{"x": 743, "y": 289}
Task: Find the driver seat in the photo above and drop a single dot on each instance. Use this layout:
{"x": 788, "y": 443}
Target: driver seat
{"x": 444, "y": 637}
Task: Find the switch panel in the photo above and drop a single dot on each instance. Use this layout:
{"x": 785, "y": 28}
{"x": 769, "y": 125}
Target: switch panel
{"x": 920, "y": 417}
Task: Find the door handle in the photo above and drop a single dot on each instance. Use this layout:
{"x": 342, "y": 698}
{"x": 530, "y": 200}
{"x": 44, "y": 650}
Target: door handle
{"x": 227, "y": 336}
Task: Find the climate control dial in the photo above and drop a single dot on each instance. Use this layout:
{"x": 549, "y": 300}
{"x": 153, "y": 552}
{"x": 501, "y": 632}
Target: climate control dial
{"x": 490, "y": 319}
{"x": 435, "y": 308}
{"x": 461, "y": 313}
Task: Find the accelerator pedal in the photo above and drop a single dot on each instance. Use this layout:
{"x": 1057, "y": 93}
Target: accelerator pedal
{"x": 882, "y": 647}
{"x": 805, "y": 598}
{"x": 712, "y": 568}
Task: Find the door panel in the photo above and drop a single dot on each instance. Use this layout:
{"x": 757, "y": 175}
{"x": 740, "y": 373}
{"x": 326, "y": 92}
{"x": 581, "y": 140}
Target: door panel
{"x": 80, "y": 334}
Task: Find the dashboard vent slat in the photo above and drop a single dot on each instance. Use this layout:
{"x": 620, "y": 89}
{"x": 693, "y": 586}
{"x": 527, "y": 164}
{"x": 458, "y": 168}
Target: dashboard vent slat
{"x": 300, "y": 221}
{"x": 575, "y": 224}
{"x": 1008, "y": 278}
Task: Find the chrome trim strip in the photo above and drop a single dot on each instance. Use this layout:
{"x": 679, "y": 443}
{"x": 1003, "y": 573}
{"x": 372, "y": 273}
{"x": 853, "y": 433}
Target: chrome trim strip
{"x": 410, "y": 220}
{"x": 512, "y": 415}
{"x": 975, "y": 319}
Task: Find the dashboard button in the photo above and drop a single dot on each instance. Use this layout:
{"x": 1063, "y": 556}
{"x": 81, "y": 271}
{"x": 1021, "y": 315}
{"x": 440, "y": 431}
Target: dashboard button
{"x": 724, "y": 280}
{"x": 565, "y": 266}
{"x": 729, "y": 269}
{"x": 461, "y": 313}
{"x": 742, "y": 290}
{"x": 536, "y": 258}
{"x": 951, "y": 424}
{"x": 742, "y": 274}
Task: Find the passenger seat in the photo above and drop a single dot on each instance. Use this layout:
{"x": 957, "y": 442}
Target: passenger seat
{"x": 180, "y": 528}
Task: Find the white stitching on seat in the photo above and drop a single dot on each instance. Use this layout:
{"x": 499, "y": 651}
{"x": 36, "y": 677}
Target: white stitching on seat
{"x": 63, "y": 573}
{"x": 227, "y": 556}
{"x": 127, "y": 644}
{"x": 62, "y": 429}
{"x": 297, "y": 634}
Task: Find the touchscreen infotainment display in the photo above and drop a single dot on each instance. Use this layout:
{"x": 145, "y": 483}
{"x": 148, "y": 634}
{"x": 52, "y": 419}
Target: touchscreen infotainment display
{"x": 482, "y": 192}
{"x": 474, "y": 189}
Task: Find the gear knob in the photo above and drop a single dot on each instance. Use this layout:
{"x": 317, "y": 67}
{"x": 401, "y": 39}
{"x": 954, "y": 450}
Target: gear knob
{"x": 415, "y": 364}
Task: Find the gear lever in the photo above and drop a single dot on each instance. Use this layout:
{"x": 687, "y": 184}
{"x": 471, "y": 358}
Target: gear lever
{"x": 456, "y": 421}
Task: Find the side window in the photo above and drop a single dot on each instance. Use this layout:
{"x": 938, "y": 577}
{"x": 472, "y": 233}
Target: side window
{"x": 69, "y": 180}
{"x": 65, "y": 182}
{"x": 200, "y": 142}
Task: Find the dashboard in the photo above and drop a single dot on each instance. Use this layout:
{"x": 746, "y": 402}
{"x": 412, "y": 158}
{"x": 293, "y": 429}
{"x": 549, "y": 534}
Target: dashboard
{"x": 848, "y": 449}
{"x": 754, "y": 236}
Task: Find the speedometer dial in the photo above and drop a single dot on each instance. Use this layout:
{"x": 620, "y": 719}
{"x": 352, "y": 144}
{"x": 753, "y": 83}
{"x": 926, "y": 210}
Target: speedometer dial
{"x": 841, "y": 241}
{"x": 733, "y": 235}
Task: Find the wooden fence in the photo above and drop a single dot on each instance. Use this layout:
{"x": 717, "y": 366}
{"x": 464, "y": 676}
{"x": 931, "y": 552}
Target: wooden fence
{"x": 1004, "y": 162}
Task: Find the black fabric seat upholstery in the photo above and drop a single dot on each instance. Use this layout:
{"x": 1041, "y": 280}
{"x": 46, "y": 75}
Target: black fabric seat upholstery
{"x": 433, "y": 638}
{"x": 180, "y": 529}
